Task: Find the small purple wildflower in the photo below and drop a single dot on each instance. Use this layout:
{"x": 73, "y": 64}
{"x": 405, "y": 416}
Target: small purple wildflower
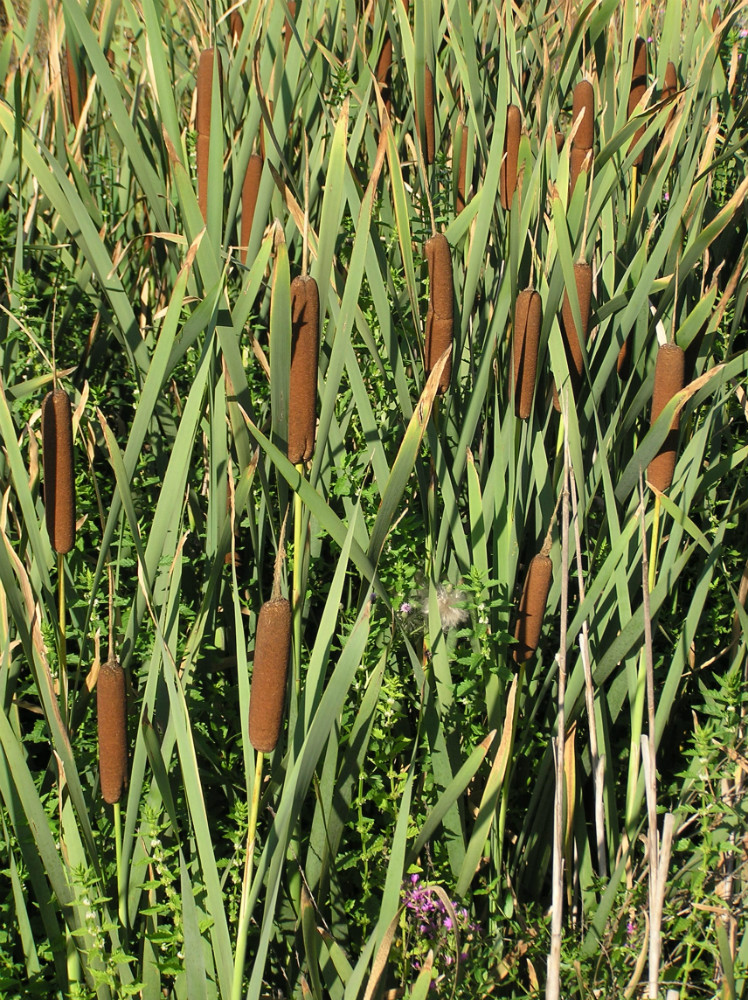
{"x": 743, "y": 33}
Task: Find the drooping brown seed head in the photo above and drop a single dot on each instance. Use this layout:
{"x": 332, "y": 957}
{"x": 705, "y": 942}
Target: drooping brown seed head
{"x": 462, "y": 171}
{"x": 532, "y": 604}
{"x": 637, "y": 90}
{"x": 267, "y": 693}
{"x": 111, "y": 712}
{"x": 249, "y": 200}
{"x": 428, "y": 106}
{"x": 59, "y": 472}
{"x": 508, "y": 175}
{"x": 668, "y": 379}
{"x": 302, "y": 400}
{"x": 583, "y": 112}
{"x": 574, "y": 338}
{"x": 440, "y": 315}
{"x": 526, "y": 337}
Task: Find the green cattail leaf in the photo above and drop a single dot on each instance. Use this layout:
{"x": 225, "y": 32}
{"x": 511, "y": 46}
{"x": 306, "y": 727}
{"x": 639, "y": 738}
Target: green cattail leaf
{"x": 331, "y": 211}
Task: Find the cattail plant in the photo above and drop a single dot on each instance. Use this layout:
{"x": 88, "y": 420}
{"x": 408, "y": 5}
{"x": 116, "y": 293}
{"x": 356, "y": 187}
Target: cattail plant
{"x": 77, "y": 84}
{"x": 508, "y": 176}
{"x": 532, "y": 604}
{"x": 581, "y": 145}
{"x": 668, "y": 379}
{"x": 268, "y": 690}
{"x": 111, "y": 713}
{"x": 250, "y": 189}
{"x": 287, "y": 31}
{"x": 462, "y": 169}
{"x": 202, "y": 121}
{"x": 59, "y": 474}
{"x": 526, "y": 337}
{"x": 637, "y": 90}
{"x": 302, "y": 402}
{"x": 670, "y": 89}
{"x": 573, "y": 338}
{"x": 440, "y": 315}
{"x": 428, "y": 105}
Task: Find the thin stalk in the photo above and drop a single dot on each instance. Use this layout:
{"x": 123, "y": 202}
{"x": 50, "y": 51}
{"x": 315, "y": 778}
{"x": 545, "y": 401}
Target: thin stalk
{"x": 553, "y": 987}
{"x": 63, "y": 638}
{"x": 244, "y": 912}
{"x": 637, "y": 714}
{"x": 296, "y": 602}
{"x": 597, "y": 762}
{"x": 121, "y": 888}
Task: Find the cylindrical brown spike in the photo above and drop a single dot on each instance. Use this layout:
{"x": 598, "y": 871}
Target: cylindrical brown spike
{"x": 532, "y": 607}
{"x": 716, "y": 18}
{"x": 249, "y": 200}
{"x": 76, "y": 86}
{"x": 204, "y": 91}
{"x": 236, "y": 25}
{"x": 428, "y": 104}
{"x": 286, "y": 31}
{"x": 384, "y": 70}
{"x": 267, "y": 693}
{"x": 508, "y": 175}
{"x": 440, "y": 315}
{"x": 59, "y": 472}
{"x": 638, "y": 88}
{"x": 202, "y": 151}
{"x": 111, "y": 714}
{"x": 580, "y": 160}
{"x": 573, "y": 338}
{"x": 527, "y": 323}
{"x": 560, "y": 139}
{"x": 668, "y": 379}
{"x": 302, "y": 401}
{"x": 670, "y": 89}
{"x": 623, "y": 364}
{"x": 584, "y": 109}
{"x": 462, "y": 171}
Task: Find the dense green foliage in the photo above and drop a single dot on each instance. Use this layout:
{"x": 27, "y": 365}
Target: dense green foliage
{"x": 406, "y": 819}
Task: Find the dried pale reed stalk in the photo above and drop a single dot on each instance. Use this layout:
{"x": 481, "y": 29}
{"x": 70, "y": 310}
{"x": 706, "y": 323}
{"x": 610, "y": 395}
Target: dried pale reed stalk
{"x": 581, "y": 146}
{"x": 267, "y": 693}
{"x": 526, "y": 337}
{"x": 462, "y": 171}
{"x": 508, "y": 175}
{"x": 532, "y": 604}
{"x": 59, "y": 473}
{"x": 250, "y": 189}
{"x": 669, "y": 379}
{"x": 440, "y": 315}
{"x": 302, "y": 401}
{"x": 573, "y": 338}
{"x": 111, "y": 711}
{"x": 637, "y": 90}
{"x": 428, "y": 105}
{"x": 202, "y": 121}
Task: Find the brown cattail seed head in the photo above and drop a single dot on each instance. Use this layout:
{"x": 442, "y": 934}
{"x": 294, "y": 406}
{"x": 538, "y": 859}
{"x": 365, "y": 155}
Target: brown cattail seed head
{"x": 59, "y": 473}
{"x": 428, "y": 105}
{"x": 532, "y": 607}
{"x": 268, "y": 690}
{"x": 670, "y": 89}
{"x": 668, "y": 379}
{"x": 302, "y": 401}
{"x": 638, "y": 88}
{"x": 384, "y": 70}
{"x": 440, "y": 315}
{"x": 205, "y": 90}
{"x": 573, "y": 338}
{"x": 286, "y": 31}
{"x": 249, "y": 200}
{"x": 527, "y": 323}
{"x": 583, "y": 109}
{"x": 111, "y": 714}
{"x": 508, "y": 175}
{"x": 76, "y": 86}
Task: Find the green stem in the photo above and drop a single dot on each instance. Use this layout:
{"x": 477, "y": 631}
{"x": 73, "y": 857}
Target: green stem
{"x": 637, "y": 713}
{"x": 121, "y": 893}
{"x": 296, "y": 602}
{"x": 244, "y": 911}
{"x": 63, "y": 640}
